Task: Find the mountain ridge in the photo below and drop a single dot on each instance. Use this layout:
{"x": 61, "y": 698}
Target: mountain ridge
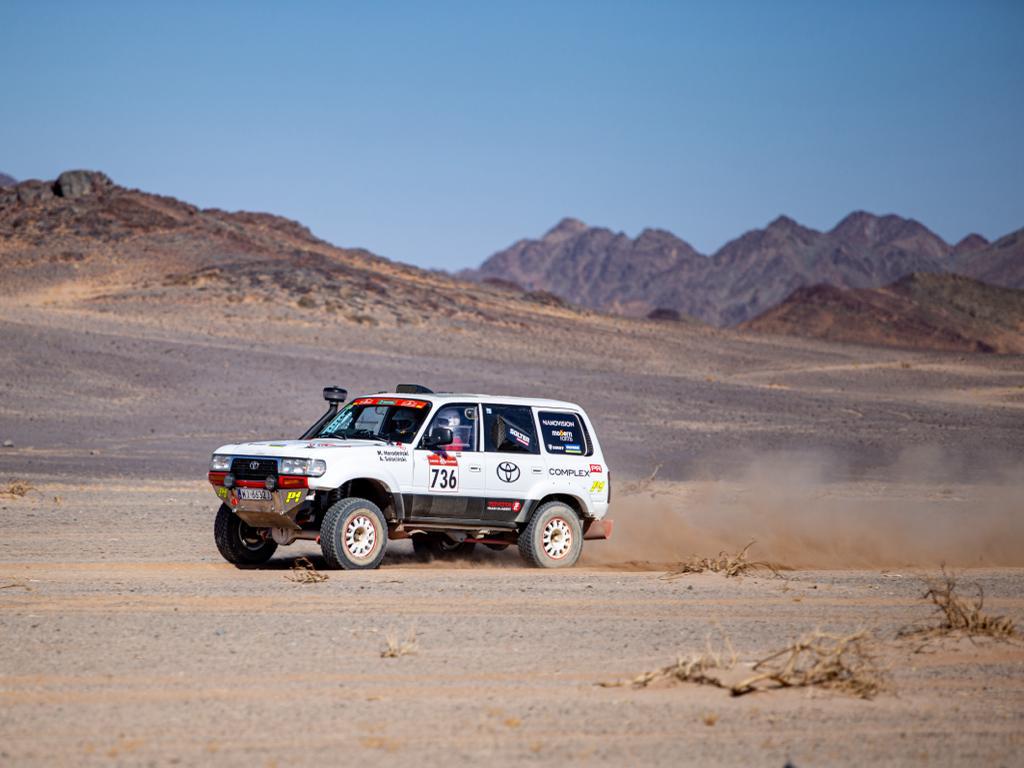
{"x": 743, "y": 278}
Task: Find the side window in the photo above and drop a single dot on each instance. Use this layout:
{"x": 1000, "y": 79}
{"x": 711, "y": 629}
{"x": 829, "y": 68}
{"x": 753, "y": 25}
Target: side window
{"x": 509, "y": 429}
{"x": 563, "y": 433}
{"x": 461, "y": 419}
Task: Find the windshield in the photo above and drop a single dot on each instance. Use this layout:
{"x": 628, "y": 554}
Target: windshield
{"x": 386, "y": 419}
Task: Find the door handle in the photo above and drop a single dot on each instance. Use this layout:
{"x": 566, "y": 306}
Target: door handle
{"x": 474, "y": 467}
{"x": 537, "y": 470}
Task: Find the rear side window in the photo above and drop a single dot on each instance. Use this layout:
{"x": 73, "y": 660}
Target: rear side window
{"x": 509, "y": 429}
{"x": 563, "y": 433}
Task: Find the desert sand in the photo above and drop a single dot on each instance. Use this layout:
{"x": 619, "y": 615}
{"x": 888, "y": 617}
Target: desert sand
{"x": 125, "y": 636}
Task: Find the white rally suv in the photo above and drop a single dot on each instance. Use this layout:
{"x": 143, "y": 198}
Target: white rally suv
{"x": 449, "y": 471}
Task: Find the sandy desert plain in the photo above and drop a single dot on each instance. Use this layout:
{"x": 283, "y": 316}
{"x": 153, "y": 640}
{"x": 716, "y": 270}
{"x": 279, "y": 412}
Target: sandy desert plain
{"x": 125, "y": 638}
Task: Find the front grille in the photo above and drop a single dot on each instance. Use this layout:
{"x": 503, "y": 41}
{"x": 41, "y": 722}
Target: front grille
{"x": 243, "y": 469}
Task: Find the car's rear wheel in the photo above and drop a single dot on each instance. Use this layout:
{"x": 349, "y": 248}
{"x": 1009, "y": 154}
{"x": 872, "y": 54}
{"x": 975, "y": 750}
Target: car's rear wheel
{"x": 553, "y": 538}
{"x": 354, "y": 535}
{"x": 438, "y": 546}
{"x": 238, "y": 542}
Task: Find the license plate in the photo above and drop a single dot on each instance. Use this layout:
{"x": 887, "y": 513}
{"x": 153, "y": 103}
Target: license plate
{"x": 253, "y": 494}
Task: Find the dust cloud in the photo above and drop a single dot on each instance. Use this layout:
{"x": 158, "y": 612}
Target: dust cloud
{"x": 919, "y": 515}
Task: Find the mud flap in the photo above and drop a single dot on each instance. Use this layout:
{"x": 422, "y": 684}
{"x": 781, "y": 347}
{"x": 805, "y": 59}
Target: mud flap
{"x": 598, "y": 529}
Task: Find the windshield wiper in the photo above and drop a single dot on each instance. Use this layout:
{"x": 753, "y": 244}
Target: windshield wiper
{"x": 367, "y": 434}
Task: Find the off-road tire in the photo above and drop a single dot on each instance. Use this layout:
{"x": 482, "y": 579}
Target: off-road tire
{"x": 437, "y": 546}
{"x": 561, "y": 525}
{"x": 232, "y": 534}
{"x": 351, "y": 526}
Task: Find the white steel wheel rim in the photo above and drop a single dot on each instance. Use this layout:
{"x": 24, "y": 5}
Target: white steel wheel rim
{"x": 556, "y": 538}
{"x": 360, "y": 536}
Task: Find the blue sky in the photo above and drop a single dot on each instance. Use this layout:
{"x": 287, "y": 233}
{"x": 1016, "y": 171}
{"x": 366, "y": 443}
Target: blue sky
{"x": 439, "y": 133}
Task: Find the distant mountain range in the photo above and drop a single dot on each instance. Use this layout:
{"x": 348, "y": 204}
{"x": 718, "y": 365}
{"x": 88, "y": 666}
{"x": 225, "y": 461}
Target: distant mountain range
{"x": 7, "y": 181}
{"x": 921, "y": 310}
{"x": 659, "y": 272}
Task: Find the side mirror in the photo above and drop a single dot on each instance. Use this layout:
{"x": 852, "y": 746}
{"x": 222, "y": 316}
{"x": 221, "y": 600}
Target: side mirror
{"x": 438, "y": 438}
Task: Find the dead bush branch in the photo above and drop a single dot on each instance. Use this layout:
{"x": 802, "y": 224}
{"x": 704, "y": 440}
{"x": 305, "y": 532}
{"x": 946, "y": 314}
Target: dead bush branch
{"x": 726, "y": 564}
{"x": 16, "y": 489}
{"x": 304, "y": 572}
{"x": 961, "y": 615}
{"x": 837, "y": 662}
{"x": 396, "y": 647}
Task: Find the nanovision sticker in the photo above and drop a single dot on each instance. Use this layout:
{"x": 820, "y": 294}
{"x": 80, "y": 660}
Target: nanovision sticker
{"x": 503, "y": 505}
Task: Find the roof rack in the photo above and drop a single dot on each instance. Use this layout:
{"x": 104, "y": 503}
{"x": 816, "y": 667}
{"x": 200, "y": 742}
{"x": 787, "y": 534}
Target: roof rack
{"x": 413, "y": 389}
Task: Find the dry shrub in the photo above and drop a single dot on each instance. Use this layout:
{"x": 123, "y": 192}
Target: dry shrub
{"x": 16, "y": 489}
{"x": 960, "y": 615}
{"x": 645, "y": 485}
{"x": 304, "y": 572}
{"x": 726, "y": 564}
{"x": 396, "y": 647}
{"x": 837, "y": 662}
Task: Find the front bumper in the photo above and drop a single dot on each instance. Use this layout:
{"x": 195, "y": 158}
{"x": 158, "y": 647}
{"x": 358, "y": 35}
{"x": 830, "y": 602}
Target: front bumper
{"x": 280, "y": 510}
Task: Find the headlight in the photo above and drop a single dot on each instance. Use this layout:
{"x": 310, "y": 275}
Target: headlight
{"x": 220, "y": 463}
{"x": 311, "y": 467}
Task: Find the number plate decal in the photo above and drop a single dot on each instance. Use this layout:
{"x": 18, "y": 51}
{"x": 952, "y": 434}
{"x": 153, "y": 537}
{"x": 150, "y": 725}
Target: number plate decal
{"x": 443, "y": 473}
{"x": 253, "y": 494}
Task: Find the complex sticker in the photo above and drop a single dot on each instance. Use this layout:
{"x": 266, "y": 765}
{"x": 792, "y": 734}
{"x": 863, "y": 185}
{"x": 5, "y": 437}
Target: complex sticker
{"x": 559, "y": 472}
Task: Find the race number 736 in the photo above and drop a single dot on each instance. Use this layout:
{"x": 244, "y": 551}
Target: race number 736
{"x": 444, "y": 478}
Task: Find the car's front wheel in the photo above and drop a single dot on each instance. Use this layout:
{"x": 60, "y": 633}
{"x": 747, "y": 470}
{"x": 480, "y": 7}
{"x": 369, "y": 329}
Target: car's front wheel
{"x": 238, "y": 542}
{"x": 553, "y": 538}
{"x": 354, "y": 535}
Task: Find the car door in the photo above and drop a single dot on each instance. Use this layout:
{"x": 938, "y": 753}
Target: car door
{"x": 569, "y": 451}
{"x": 513, "y": 465}
{"x": 448, "y": 482}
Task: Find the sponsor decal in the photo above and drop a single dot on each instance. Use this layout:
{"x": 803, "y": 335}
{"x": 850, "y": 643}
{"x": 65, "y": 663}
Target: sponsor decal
{"x": 556, "y": 448}
{"x": 508, "y": 472}
{"x": 559, "y": 472}
{"x": 503, "y": 505}
{"x": 325, "y": 445}
{"x": 391, "y": 401}
{"x": 563, "y": 434}
{"x": 293, "y": 496}
{"x": 573, "y": 449}
{"x": 392, "y": 454}
{"x": 596, "y": 469}
{"x": 519, "y": 437}
{"x": 442, "y": 460}
{"x": 597, "y": 486}
{"x": 222, "y": 492}
{"x": 567, "y": 423}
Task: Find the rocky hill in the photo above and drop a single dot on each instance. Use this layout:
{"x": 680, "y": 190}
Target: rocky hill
{"x": 657, "y": 271}
{"x": 998, "y": 263}
{"x": 7, "y": 181}
{"x": 82, "y": 238}
{"x": 920, "y": 311}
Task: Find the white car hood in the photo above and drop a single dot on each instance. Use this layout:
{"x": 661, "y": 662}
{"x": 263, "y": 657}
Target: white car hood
{"x": 316, "y": 447}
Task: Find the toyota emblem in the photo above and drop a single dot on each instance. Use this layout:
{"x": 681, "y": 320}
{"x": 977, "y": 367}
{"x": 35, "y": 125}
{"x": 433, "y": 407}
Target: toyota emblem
{"x": 508, "y": 472}
{"x": 254, "y": 465}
